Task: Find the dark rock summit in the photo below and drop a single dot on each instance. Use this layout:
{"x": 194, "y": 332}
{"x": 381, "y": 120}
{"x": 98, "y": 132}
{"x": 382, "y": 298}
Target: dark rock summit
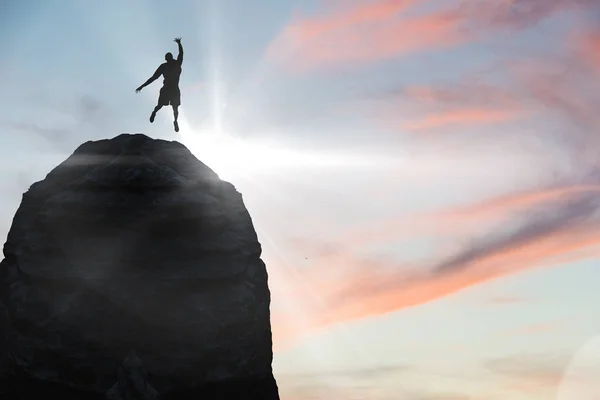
{"x": 132, "y": 243}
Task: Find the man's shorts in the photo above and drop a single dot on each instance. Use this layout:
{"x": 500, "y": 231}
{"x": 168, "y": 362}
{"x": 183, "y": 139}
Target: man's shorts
{"x": 169, "y": 95}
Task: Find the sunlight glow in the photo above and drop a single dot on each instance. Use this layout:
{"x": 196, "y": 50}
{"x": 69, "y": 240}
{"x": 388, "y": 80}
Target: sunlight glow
{"x": 232, "y": 157}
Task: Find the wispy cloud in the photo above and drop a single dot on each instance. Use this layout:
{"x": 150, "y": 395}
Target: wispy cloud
{"x": 363, "y": 33}
{"x": 519, "y": 14}
{"x": 502, "y": 300}
{"x": 471, "y": 116}
{"x": 512, "y": 376}
{"x": 589, "y": 45}
{"x": 534, "y": 89}
{"x": 366, "y": 32}
{"x": 466, "y": 104}
{"x": 345, "y": 287}
{"x": 65, "y": 123}
{"x": 556, "y": 325}
{"x": 456, "y": 220}
{"x": 527, "y": 373}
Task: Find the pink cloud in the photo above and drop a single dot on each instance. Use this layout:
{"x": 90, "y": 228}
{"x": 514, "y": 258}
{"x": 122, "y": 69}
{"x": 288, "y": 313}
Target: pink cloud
{"x": 342, "y": 287}
{"x": 367, "y": 32}
{"x": 462, "y": 117}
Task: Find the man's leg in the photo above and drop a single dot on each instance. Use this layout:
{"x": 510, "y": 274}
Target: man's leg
{"x": 153, "y": 115}
{"x": 176, "y": 115}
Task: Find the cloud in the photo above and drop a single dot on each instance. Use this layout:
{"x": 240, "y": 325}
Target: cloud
{"x": 509, "y": 377}
{"x": 485, "y": 240}
{"x": 469, "y": 103}
{"x": 456, "y": 220}
{"x": 299, "y": 49}
{"x": 466, "y": 93}
{"x": 591, "y": 48}
{"x": 580, "y": 377}
{"x": 63, "y": 124}
{"x": 520, "y": 14}
{"x": 542, "y": 224}
{"x": 529, "y": 372}
{"x": 540, "y": 327}
{"x": 377, "y": 292}
{"x": 562, "y": 94}
{"x": 343, "y": 286}
{"x": 355, "y": 14}
{"x": 528, "y": 365}
{"x": 378, "y": 383}
{"x": 502, "y": 300}
{"x": 520, "y": 363}
{"x": 561, "y": 87}
{"x": 472, "y": 116}
{"x": 367, "y": 32}
{"x": 367, "y": 372}
{"x": 362, "y": 33}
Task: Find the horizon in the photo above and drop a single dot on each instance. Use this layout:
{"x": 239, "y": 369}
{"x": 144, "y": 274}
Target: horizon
{"x": 422, "y": 174}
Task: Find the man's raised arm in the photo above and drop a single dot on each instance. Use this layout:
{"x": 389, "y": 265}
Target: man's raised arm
{"x": 151, "y": 79}
{"x": 180, "y": 55}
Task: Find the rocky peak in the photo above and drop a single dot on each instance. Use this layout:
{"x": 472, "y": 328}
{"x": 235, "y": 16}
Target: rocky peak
{"x": 132, "y": 242}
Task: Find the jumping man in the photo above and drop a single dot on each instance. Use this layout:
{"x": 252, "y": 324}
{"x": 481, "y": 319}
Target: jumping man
{"x": 169, "y": 93}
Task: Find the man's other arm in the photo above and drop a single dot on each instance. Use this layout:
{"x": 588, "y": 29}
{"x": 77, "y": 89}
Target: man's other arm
{"x": 151, "y": 79}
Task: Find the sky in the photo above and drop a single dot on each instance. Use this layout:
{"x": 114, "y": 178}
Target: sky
{"x": 423, "y": 174}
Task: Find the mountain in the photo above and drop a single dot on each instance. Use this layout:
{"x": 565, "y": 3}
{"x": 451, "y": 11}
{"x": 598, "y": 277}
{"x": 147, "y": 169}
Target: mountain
{"x": 134, "y": 245}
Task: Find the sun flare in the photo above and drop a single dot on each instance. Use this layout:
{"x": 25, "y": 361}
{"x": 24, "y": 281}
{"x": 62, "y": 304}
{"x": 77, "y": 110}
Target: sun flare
{"x": 232, "y": 157}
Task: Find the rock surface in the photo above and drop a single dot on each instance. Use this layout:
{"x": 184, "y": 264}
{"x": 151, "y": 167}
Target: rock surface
{"x": 132, "y": 382}
{"x": 132, "y": 243}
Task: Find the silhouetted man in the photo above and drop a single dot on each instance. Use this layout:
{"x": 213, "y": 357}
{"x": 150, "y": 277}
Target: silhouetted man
{"x": 169, "y": 93}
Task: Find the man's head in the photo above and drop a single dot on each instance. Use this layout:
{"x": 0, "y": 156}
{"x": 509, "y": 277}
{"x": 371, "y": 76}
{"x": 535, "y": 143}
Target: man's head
{"x": 169, "y": 57}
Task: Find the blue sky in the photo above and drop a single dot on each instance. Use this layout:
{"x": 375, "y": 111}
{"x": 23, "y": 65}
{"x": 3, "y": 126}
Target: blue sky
{"x": 422, "y": 173}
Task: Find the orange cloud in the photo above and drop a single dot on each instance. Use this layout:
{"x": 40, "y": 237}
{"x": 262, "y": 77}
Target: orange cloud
{"x": 503, "y": 206}
{"x": 456, "y": 220}
{"x": 468, "y": 116}
{"x": 457, "y": 105}
{"x": 463, "y": 94}
{"x": 363, "y": 33}
{"x": 589, "y": 46}
{"x": 563, "y": 95}
{"x": 526, "y": 371}
{"x": 380, "y": 29}
{"x": 540, "y": 327}
{"x": 341, "y": 287}
{"x": 343, "y": 18}
{"x": 372, "y": 293}
{"x": 565, "y": 85}
{"x": 487, "y": 267}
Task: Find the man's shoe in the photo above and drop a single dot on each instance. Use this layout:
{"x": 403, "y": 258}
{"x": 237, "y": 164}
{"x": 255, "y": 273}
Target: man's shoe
{"x": 176, "y": 126}
{"x": 152, "y": 116}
